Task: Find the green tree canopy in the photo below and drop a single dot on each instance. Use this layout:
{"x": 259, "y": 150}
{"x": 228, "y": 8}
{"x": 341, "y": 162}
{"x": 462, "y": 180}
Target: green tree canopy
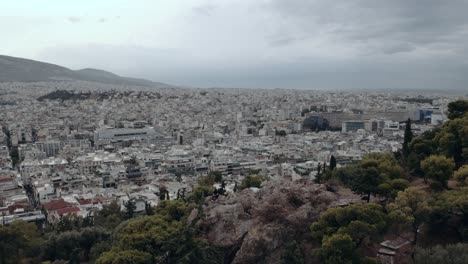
{"x": 457, "y": 109}
{"x": 439, "y": 168}
{"x": 337, "y": 249}
{"x": 452, "y": 253}
{"x": 367, "y": 220}
{"x": 410, "y": 207}
{"x": 252, "y": 181}
{"x": 125, "y": 257}
{"x": 461, "y": 175}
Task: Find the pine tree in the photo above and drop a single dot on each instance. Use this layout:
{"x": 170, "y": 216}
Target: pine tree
{"x": 130, "y": 207}
{"x": 148, "y": 208}
{"x": 318, "y": 176}
{"x": 332, "y": 163}
{"x": 408, "y": 137}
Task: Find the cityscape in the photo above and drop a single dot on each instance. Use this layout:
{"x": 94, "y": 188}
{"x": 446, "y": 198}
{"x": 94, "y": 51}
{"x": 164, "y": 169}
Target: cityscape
{"x": 100, "y": 168}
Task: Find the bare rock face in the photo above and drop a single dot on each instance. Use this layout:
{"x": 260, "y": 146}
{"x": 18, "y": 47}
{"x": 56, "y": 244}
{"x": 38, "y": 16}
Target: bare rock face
{"x": 254, "y": 227}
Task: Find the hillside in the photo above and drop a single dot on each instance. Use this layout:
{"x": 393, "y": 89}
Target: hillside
{"x": 14, "y": 69}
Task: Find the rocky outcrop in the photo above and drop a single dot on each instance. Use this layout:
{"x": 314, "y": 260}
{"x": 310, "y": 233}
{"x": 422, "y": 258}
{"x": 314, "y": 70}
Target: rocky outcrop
{"x": 254, "y": 226}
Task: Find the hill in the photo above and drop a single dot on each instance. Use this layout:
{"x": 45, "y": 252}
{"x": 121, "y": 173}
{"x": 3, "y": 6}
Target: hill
{"x": 14, "y": 69}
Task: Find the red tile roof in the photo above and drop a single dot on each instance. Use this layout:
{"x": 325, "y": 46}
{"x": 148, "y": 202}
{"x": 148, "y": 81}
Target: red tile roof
{"x": 67, "y": 210}
{"x": 6, "y": 180}
{"x": 85, "y": 201}
{"x": 56, "y": 204}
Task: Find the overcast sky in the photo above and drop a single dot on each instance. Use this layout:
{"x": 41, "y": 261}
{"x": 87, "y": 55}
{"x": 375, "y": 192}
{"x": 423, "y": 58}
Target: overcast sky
{"x": 309, "y": 44}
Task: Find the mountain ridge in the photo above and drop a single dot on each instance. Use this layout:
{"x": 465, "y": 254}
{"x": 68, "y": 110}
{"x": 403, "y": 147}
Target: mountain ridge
{"x": 15, "y": 69}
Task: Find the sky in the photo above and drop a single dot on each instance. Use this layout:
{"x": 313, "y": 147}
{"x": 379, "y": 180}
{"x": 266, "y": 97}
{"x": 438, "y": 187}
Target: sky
{"x": 297, "y": 44}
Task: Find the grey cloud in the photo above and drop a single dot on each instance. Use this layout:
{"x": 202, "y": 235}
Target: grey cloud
{"x": 281, "y": 41}
{"x": 419, "y": 22}
{"x": 179, "y": 67}
{"x": 398, "y": 48}
{"x": 74, "y": 19}
{"x": 302, "y": 44}
{"x": 204, "y": 10}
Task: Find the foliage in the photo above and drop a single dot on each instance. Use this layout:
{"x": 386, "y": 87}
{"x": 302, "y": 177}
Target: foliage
{"x": 454, "y": 254}
{"x": 461, "y": 175}
{"x": 109, "y": 217}
{"x": 419, "y": 149}
{"x": 344, "y": 219}
{"x": 162, "y": 237}
{"x": 346, "y": 174}
{"x": 438, "y": 168}
{"x": 410, "y": 207}
{"x": 368, "y": 180}
{"x": 17, "y": 240}
{"x": 194, "y": 251}
{"x": 292, "y": 254}
{"x": 212, "y": 178}
{"x": 451, "y": 205}
{"x": 337, "y": 249}
{"x": 407, "y": 137}
{"x": 72, "y": 222}
{"x": 391, "y": 188}
{"x": 173, "y": 210}
{"x": 73, "y": 245}
{"x": 200, "y": 193}
{"x": 130, "y": 207}
{"x": 250, "y": 181}
{"x": 332, "y": 162}
{"x": 376, "y": 173}
{"x": 125, "y": 257}
{"x": 457, "y": 109}
{"x": 452, "y": 140}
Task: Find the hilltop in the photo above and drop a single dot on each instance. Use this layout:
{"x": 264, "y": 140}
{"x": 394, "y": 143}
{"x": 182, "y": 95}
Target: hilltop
{"x": 14, "y": 69}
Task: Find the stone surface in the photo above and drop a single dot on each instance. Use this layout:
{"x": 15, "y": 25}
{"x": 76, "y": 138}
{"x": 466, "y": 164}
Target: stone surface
{"x": 255, "y": 226}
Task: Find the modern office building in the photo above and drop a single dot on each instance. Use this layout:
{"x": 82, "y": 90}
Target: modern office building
{"x": 113, "y": 136}
{"x": 352, "y": 125}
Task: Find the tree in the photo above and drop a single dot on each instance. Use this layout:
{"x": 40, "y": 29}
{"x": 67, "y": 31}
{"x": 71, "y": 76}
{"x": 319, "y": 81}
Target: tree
{"x": 452, "y": 253}
{"x": 125, "y": 257}
{"x": 457, "y": 109}
{"x": 337, "y": 249}
{"x": 109, "y": 217}
{"x": 419, "y": 149}
{"x": 292, "y": 254}
{"x": 360, "y": 221}
{"x": 199, "y": 194}
{"x": 454, "y": 204}
{"x": 367, "y": 182}
{"x": 130, "y": 207}
{"x": 461, "y": 175}
{"x": 452, "y": 140}
{"x": 163, "y": 193}
{"x": 318, "y": 176}
{"x": 407, "y": 138}
{"x": 390, "y": 189}
{"x": 159, "y": 235}
{"x": 148, "y": 208}
{"x": 438, "y": 168}
{"x": 410, "y": 207}
{"x": 217, "y": 176}
{"x": 251, "y": 181}
{"x": 17, "y": 240}
{"x": 332, "y": 163}
{"x": 14, "y": 154}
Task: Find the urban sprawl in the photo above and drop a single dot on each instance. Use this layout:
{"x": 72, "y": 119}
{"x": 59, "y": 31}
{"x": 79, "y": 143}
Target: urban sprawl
{"x": 70, "y": 147}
